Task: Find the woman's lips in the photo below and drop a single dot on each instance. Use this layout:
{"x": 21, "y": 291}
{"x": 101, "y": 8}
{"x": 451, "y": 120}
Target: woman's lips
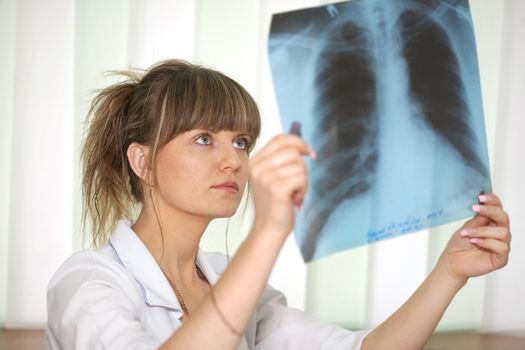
{"x": 227, "y": 186}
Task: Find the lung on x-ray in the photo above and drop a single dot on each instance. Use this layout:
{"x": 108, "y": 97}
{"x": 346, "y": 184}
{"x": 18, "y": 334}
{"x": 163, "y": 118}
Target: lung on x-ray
{"x": 388, "y": 94}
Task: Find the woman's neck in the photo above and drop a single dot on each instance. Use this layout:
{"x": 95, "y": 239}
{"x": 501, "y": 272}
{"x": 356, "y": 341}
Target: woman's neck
{"x": 173, "y": 240}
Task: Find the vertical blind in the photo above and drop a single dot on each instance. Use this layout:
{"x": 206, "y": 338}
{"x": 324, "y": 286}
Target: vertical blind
{"x": 54, "y": 55}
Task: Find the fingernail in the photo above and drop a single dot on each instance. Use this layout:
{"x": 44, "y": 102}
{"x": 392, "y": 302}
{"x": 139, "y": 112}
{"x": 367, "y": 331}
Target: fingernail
{"x": 476, "y": 240}
{"x": 467, "y": 231}
{"x": 313, "y": 155}
{"x": 295, "y": 128}
{"x": 476, "y": 208}
{"x": 483, "y": 198}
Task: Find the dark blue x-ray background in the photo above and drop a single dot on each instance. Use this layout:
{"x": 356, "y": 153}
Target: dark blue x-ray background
{"x": 388, "y": 94}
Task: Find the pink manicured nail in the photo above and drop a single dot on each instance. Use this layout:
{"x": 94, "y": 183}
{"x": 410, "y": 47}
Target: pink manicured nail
{"x": 483, "y": 198}
{"x": 468, "y": 231}
{"x": 476, "y": 240}
{"x": 476, "y": 208}
{"x": 313, "y": 155}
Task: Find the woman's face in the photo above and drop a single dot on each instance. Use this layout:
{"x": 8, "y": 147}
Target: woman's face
{"x": 203, "y": 173}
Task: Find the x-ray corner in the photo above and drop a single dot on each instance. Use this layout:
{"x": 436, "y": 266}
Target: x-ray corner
{"x": 388, "y": 94}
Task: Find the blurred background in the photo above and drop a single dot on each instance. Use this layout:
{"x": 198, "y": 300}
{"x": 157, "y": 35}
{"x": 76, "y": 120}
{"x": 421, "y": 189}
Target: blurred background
{"x": 53, "y": 57}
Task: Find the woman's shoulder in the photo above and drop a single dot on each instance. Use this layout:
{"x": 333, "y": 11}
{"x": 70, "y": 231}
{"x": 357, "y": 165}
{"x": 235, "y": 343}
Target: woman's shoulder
{"x": 90, "y": 297}
{"x": 100, "y": 266}
{"x": 89, "y": 260}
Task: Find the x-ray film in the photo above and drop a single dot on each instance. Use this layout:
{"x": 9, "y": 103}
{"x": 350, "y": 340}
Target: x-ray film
{"x": 388, "y": 94}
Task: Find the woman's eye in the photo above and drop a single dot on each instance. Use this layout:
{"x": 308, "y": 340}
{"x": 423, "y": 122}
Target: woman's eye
{"x": 242, "y": 143}
{"x": 203, "y": 139}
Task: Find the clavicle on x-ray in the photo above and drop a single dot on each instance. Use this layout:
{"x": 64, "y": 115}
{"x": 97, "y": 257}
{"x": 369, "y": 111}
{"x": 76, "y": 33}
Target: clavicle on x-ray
{"x": 388, "y": 94}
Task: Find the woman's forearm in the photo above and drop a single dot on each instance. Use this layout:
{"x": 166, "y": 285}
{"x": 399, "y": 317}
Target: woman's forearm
{"x": 236, "y": 295}
{"x": 480, "y": 246}
{"x": 413, "y": 323}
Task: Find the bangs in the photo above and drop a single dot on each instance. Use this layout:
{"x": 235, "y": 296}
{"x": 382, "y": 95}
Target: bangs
{"x": 206, "y": 99}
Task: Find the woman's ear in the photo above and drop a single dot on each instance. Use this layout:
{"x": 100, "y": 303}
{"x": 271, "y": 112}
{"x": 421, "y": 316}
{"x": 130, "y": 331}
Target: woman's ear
{"x": 138, "y": 158}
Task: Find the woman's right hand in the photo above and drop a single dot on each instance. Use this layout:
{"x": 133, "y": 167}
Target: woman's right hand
{"x": 279, "y": 181}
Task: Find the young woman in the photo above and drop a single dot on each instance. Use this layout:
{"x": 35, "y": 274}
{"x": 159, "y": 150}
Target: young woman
{"x": 175, "y": 144}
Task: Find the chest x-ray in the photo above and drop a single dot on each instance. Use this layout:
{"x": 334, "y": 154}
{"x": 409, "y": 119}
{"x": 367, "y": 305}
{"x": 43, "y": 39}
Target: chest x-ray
{"x": 388, "y": 94}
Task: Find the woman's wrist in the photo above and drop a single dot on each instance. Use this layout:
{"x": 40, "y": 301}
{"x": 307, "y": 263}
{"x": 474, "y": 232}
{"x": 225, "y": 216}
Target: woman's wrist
{"x": 446, "y": 272}
{"x": 267, "y": 237}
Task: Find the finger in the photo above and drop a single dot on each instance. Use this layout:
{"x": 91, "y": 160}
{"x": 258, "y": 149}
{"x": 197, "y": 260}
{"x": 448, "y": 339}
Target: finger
{"x": 271, "y": 175}
{"x": 493, "y": 232}
{"x": 268, "y": 171}
{"x": 278, "y": 141}
{"x": 284, "y": 140}
{"x": 493, "y": 245}
{"x": 290, "y": 188}
{"x": 284, "y": 156}
{"x": 494, "y": 213}
{"x": 266, "y": 176}
{"x": 297, "y": 199}
{"x": 298, "y": 146}
{"x": 489, "y": 199}
{"x": 476, "y": 221}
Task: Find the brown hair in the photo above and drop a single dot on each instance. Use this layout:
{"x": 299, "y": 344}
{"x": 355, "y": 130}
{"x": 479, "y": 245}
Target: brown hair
{"x": 170, "y": 98}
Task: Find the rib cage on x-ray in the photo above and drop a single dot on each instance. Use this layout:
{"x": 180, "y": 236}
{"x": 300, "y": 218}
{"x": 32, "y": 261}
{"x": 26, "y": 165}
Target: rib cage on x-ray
{"x": 348, "y": 122}
{"x": 346, "y": 82}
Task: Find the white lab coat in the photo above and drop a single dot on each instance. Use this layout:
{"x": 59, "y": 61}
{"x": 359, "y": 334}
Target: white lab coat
{"x": 117, "y": 297}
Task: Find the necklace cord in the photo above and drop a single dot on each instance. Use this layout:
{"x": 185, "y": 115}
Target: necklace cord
{"x": 178, "y": 293}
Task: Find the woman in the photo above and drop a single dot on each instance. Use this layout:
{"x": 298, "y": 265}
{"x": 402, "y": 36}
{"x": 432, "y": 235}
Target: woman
{"x": 175, "y": 143}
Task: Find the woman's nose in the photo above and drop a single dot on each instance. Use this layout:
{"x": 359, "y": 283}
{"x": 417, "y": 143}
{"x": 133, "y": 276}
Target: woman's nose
{"x": 230, "y": 159}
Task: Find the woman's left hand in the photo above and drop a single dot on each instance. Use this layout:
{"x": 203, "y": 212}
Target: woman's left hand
{"x": 482, "y": 244}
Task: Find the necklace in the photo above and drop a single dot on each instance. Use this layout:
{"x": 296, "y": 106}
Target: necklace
{"x": 178, "y": 294}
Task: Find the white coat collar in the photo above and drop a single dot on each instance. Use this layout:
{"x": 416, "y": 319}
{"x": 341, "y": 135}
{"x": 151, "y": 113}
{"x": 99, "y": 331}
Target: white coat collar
{"x": 138, "y": 261}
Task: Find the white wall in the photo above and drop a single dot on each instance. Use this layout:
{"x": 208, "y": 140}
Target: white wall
{"x": 40, "y": 214}
{"x": 101, "y": 45}
{"x": 159, "y": 30}
{"x": 7, "y": 67}
{"x": 504, "y": 305}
